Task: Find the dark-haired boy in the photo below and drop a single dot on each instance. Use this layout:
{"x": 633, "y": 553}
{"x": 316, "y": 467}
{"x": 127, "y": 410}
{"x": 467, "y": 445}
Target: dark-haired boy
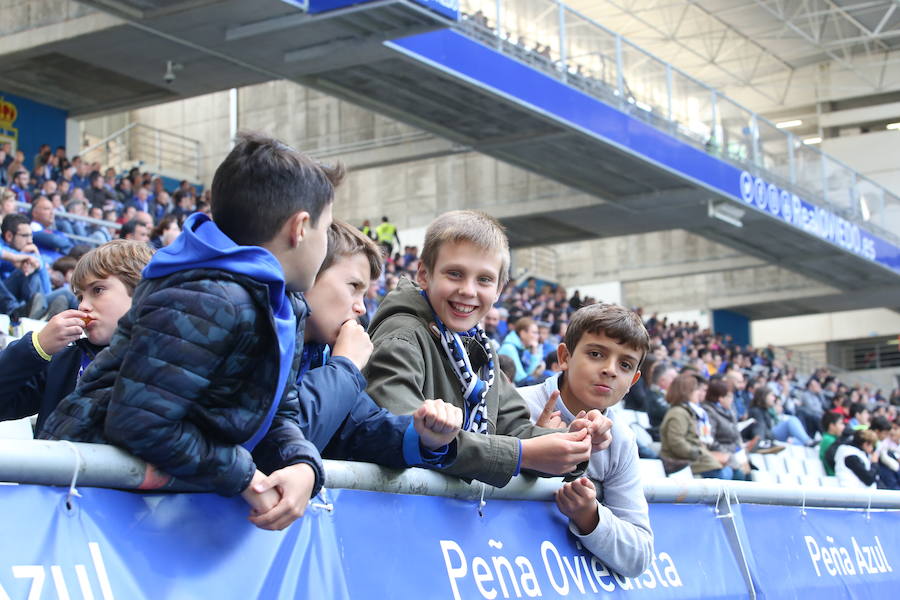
{"x": 600, "y": 359}
{"x": 832, "y": 425}
{"x": 428, "y": 344}
{"x": 199, "y": 379}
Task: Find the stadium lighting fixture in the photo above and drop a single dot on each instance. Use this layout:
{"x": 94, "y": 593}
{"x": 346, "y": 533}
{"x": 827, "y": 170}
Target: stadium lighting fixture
{"x": 726, "y": 212}
{"x": 789, "y": 124}
{"x": 812, "y": 140}
{"x": 893, "y": 126}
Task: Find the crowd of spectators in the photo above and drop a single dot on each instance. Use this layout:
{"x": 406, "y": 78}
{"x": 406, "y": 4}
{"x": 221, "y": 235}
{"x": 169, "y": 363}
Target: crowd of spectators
{"x": 53, "y": 209}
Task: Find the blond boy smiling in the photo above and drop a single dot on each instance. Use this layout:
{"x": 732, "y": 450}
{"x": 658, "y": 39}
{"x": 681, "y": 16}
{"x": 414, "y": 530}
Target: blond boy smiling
{"x": 428, "y": 344}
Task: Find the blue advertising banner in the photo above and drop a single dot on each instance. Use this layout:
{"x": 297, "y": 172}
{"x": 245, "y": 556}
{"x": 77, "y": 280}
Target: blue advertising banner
{"x": 467, "y": 59}
{"x": 448, "y": 8}
{"x": 825, "y": 553}
{"x": 114, "y": 544}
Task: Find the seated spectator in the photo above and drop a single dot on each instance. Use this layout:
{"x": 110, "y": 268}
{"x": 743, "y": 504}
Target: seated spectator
{"x": 855, "y": 464}
{"x": 39, "y": 370}
{"x": 859, "y": 416}
{"x": 727, "y": 441}
{"x": 833, "y": 429}
{"x": 26, "y": 276}
{"x": 661, "y": 377}
{"x": 20, "y": 186}
{"x": 165, "y": 232}
{"x": 489, "y": 322}
{"x": 600, "y": 360}
{"x": 683, "y": 432}
{"x": 52, "y": 242}
{"x": 135, "y": 230}
{"x": 140, "y": 201}
{"x": 523, "y": 347}
{"x": 77, "y": 207}
{"x": 8, "y": 203}
{"x": 98, "y": 194}
{"x": 336, "y": 414}
{"x": 888, "y": 465}
{"x": 812, "y": 406}
{"x": 771, "y": 424}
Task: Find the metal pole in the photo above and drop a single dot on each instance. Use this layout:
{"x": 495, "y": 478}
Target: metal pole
{"x": 620, "y": 75}
{"x": 52, "y": 463}
{"x": 754, "y": 135}
{"x": 669, "y": 108}
{"x": 792, "y": 161}
{"x": 498, "y": 16}
{"x": 562, "y": 39}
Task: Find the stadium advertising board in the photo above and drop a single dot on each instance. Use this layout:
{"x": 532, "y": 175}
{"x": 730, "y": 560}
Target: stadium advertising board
{"x": 830, "y": 553}
{"x": 114, "y": 544}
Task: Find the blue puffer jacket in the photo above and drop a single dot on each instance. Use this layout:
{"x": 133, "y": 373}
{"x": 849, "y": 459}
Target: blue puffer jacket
{"x": 339, "y": 417}
{"x": 190, "y": 377}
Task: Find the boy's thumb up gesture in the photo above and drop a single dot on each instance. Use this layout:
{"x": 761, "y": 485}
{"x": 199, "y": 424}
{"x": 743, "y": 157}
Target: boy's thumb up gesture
{"x": 437, "y": 423}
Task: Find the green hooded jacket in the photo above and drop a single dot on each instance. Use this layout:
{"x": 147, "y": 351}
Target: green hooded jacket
{"x": 409, "y": 366}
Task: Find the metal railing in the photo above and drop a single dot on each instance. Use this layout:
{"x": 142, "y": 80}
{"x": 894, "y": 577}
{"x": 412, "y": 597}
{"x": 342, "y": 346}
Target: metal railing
{"x": 24, "y": 206}
{"x": 149, "y": 148}
{"x": 54, "y": 463}
{"x": 569, "y": 46}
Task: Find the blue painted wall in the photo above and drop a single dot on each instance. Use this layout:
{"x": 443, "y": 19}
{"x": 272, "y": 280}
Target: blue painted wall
{"x": 731, "y": 323}
{"x": 36, "y": 124}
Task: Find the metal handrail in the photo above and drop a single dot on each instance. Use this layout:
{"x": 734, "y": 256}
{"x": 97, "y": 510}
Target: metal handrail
{"x": 141, "y": 144}
{"x": 501, "y": 36}
{"x": 53, "y": 463}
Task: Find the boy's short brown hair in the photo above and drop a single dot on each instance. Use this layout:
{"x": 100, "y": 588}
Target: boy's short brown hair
{"x": 122, "y": 259}
{"x": 345, "y": 240}
{"x": 473, "y": 226}
{"x": 522, "y": 324}
{"x": 616, "y": 322}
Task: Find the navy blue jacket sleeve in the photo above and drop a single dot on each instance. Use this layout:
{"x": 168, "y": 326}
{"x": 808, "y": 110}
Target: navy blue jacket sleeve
{"x": 342, "y": 420}
{"x": 23, "y": 375}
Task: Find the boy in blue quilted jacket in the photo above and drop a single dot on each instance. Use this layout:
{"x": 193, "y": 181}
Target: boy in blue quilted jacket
{"x": 198, "y": 379}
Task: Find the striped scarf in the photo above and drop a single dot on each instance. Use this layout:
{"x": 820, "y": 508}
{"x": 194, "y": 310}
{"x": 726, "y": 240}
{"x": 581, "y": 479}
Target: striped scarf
{"x": 474, "y": 386}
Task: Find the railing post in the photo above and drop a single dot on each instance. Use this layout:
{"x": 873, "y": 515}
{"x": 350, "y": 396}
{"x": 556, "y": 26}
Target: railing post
{"x": 714, "y": 105}
{"x": 620, "y": 75}
{"x": 754, "y": 137}
{"x": 669, "y": 107}
{"x": 498, "y": 16}
{"x": 562, "y": 39}
{"x": 824, "y": 177}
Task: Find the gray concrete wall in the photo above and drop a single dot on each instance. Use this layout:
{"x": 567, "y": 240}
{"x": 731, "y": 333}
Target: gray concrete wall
{"x": 21, "y": 15}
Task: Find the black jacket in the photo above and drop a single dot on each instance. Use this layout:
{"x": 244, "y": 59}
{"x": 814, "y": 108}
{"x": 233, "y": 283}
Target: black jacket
{"x": 30, "y": 384}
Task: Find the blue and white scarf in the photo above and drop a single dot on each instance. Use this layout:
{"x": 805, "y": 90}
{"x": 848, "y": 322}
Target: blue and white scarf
{"x": 474, "y": 386}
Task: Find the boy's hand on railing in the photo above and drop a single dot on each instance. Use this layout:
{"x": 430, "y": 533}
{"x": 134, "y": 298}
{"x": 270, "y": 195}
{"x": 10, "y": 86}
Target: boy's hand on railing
{"x": 578, "y": 501}
{"x": 598, "y": 426}
{"x": 556, "y": 453}
{"x": 437, "y": 423}
{"x": 294, "y": 486}
{"x": 60, "y": 331}
{"x": 353, "y": 343}
{"x": 260, "y": 502}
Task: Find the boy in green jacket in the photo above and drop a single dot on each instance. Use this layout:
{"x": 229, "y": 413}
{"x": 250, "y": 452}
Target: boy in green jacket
{"x": 429, "y": 344}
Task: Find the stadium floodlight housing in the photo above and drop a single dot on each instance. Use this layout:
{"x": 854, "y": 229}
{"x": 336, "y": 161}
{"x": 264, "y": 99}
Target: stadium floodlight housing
{"x": 789, "y": 124}
{"x": 726, "y": 212}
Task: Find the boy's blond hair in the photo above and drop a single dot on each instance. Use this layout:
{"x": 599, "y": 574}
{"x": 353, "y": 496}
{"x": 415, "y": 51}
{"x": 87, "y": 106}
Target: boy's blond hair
{"x": 472, "y": 226}
{"x": 345, "y": 240}
{"x": 122, "y": 259}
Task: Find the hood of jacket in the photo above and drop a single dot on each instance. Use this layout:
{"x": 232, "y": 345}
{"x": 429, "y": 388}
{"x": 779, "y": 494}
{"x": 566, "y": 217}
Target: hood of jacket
{"x": 202, "y": 245}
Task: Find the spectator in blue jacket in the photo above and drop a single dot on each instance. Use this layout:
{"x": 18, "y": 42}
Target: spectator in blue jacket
{"x": 523, "y": 347}
{"x": 199, "y": 377}
{"x": 336, "y": 413}
{"x": 40, "y": 369}
{"x": 52, "y": 242}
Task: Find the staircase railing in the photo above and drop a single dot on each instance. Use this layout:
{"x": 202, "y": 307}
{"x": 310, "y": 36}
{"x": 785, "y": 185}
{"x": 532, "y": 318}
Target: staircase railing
{"x": 150, "y": 149}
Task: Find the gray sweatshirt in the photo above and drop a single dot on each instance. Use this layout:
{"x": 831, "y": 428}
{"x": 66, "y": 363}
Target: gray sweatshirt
{"x": 622, "y": 540}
